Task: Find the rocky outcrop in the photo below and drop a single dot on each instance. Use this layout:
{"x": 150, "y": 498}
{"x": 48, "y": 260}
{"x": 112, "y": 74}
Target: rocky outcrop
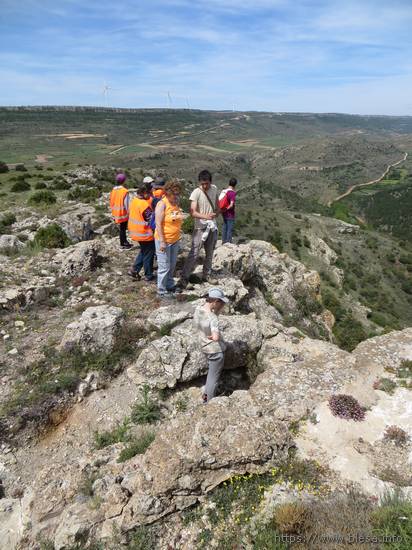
{"x": 96, "y": 330}
{"x": 177, "y": 357}
{"x": 80, "y": 258}
{"x": 37, "y": 291}
{"x": 260, "y": 264}
{"x": 10, "y": 243}
{"x": 78, "y": 222}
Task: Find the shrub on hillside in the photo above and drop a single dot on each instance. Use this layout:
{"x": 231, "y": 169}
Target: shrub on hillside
{"x": 61, "y": 184}
{"x": 20, "y": 168}
{"x": 51, "y": 236}
{"x": 45, "y": 196}
{"x": 6, "y": 221}
{"x": 3, "y": 167}
{"x": 20, "y": 186}
{"x": 349, "y": 332}
{"x": 84, "y": 195}
{"x": 347, "y": 407}
{"x": 396, "y": 435}
{"x": 188, "y": 225}
{"x": 40, "y": 185}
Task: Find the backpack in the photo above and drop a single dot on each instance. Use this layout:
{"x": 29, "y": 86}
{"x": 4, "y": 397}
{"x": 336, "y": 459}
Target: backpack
{"x": 152, "y": 221}
{"x": 223, "y": 200}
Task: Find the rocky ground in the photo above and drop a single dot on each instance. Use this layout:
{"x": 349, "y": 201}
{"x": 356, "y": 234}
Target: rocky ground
{"x": 104, "y": 440}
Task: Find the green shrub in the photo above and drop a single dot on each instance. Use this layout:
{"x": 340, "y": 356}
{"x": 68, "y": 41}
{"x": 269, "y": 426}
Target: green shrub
{"x": 393, "y": 518}
{"x": 385, "y": 384}
{"x": 20, "y": 186}
{"x": 61, "y": 184}
{"x": 137, "y": 446}
{"x": 188, "y": 225}
{"x": 145, "y": 411}
{"x": 6, "y": 221}
{"x": 84, "y": 195}
{"x": 20, "y": 168}
{"x": 3, "y": 167}
{"x": 51, "y": 236}
{"x": 45, "y": 196}
{"x": 349, "y": 332}
{"x": 40, "y": 185}
{"x": 119, "y": 434}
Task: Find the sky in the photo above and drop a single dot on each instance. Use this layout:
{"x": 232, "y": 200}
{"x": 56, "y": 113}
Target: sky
{"x": 352, "y": 56}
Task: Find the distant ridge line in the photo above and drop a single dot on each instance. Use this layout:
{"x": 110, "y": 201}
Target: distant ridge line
{"x": 96, "y": 109}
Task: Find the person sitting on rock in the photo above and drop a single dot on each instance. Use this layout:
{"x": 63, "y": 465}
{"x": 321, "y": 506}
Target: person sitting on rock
{"x": 119, "y": 205}
{"x": 211, "y": 342}
{"x": 141, "y": 232}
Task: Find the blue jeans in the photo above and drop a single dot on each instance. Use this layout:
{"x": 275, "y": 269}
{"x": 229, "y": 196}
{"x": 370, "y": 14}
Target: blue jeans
{"x": 145, "y": 258}
{"x": 227, "y": 230}
{"x": 166, "y": 265}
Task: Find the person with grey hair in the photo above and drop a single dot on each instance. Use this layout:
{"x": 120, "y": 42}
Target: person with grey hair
{"x": 211, "y": 341}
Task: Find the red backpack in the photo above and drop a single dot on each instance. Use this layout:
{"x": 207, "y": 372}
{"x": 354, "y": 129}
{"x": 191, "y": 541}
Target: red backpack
{"x": 223, "y": 200}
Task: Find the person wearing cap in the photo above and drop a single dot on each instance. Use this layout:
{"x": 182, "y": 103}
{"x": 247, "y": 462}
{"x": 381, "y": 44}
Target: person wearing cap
{"x": 141, "y": 232}
{"x": 148, "y": 179}
{"x": 119, "y": 205}
{"x": 212, "y": 344}
{"x": 158, "y": 191}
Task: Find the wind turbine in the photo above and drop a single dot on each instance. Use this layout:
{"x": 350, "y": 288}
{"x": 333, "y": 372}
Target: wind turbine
{"x": 169, "y": 100}
{"x": 106, "y": 89}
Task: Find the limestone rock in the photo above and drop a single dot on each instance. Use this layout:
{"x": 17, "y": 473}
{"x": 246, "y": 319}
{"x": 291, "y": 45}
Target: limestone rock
{"x": 177, "y": 358}
{"x": 79, "y": 258}
{"x": 259, "y": 264}
{"x": 96, "y": 330}
{"x": 78, "y": 222}
{"x": 10, "y": 243}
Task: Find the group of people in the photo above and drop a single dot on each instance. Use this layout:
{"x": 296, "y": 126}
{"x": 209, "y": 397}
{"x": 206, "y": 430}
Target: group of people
{"x": 154, "y": 220}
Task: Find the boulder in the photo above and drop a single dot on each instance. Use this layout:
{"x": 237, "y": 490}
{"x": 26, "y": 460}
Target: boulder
{"x": 27, "y": 295}
{"x": 96, "y": 330}
{"x": 177, "y": 357}
{"x": 78, "y": 222}
{"x": 10, "y": 243}
{"x": 259, "y": 264}
{"x": 79, "y": 258}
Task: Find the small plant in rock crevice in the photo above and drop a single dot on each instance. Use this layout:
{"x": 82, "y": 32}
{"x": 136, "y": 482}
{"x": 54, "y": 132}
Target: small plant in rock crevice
{"x": 347, "y": 407}
{"x": 146, "y": 410}
{"x": 385, "y": 384}
{"x": 396, "y": 435}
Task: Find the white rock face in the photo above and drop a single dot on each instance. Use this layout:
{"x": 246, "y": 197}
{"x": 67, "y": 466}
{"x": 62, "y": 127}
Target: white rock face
{"x": 10, "y": 243}
{"x": 96, "y": 330}
{"x": 78, "y": 222}
{"x": 80, "y": 258}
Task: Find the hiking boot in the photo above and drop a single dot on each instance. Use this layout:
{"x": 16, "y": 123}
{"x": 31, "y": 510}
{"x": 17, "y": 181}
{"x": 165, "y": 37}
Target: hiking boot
{"x": 134, "y": 275}
{"x": 126, "y": 246}
{"x": 166, "y": 296}
{"x": 150, "y": 279}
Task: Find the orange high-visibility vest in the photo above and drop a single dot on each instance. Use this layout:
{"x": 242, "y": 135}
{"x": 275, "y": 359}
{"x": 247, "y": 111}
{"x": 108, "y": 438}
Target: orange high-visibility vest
{"x": 172, "y": 223}
{"x": 119, "y": 212}
{"x": 139, "y": 228}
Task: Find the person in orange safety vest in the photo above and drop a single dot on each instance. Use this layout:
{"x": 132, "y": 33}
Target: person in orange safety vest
{"x": 141, "y": 232}
{"x": 119, "y": 205}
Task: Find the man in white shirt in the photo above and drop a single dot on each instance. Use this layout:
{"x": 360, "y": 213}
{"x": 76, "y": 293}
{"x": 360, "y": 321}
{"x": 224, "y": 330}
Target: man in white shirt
{"x": 204, "y": 208}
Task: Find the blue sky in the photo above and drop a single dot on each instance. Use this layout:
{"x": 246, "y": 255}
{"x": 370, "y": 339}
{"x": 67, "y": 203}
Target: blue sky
{"x": 276, "y": 55}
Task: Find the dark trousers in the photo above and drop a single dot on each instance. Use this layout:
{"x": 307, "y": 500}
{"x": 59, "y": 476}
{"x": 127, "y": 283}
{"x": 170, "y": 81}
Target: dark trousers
{"x": 145, "y": 258}
{"x": 123, "y": 235}
{"x": 227, "y": 230}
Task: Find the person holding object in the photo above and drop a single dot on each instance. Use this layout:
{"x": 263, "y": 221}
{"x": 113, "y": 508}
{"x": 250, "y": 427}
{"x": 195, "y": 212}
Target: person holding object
{"x": 141, "y": 232}
{"x": 119, "y": 205}
{"x": 227, "y": 199}
{"x": 212, "y": 344}
{"x": 204, "y": 208}
{"x": 169, "y": 218}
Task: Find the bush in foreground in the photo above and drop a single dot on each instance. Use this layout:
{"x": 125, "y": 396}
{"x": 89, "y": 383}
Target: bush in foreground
{"x": 51, "y": 236}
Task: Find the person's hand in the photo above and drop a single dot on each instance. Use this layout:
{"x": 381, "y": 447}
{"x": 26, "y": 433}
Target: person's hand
{"x": 162, "y": 247}
{"x": 211, "y": 216}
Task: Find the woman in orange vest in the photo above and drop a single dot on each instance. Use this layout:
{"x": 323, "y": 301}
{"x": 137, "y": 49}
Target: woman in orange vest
{"x": 119, "y": 205}
{"x": 141, "y": 232}
{"x": 169, "y": 218}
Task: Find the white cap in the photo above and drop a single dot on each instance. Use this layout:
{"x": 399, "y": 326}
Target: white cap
{"x": 217, "y": 294}
{"x": 148, "y": 179}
